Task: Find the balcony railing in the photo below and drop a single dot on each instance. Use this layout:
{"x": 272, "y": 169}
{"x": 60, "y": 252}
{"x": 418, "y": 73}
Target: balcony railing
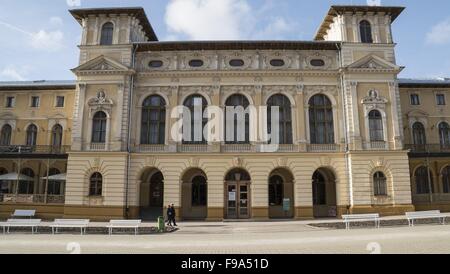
{"x": 429, "y": 148}
{"x": 97, "y": 146}
{"x": 238, "y": 148}
{"x": 376, "y": 145}
{"x": 195, "y": 148}
{"x": 32, "y": 199}
{"x": 150, "y": 148}
{"x": 427, "y": 198}
{"x": 323, "y": 148}
{"x": 18, "y": 149}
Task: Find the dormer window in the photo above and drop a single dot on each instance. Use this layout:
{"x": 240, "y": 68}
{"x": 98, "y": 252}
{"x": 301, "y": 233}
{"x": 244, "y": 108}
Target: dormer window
{"x": 196, "y": 63}
{"x": 107, "y": 34}
{"x": 365, "y": 30}
{"x": 277, "y": 62}
{"x": 156, "y": 64}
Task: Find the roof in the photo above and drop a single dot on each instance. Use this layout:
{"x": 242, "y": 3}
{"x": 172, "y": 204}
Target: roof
{"x": 334, "y": 11}
{"x": 137, "y": 12}
{"x": 425, "y": 83}
{"x": 38, "y": 85}
{"x": 237, "y": 45}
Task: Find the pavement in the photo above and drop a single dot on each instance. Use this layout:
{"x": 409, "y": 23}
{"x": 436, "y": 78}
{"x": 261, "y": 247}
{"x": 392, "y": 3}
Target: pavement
{"x": 274, "y": 237}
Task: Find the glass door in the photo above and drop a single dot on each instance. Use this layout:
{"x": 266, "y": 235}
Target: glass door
{"x": 232, "y": 206}
{"x": 237, "y": 200}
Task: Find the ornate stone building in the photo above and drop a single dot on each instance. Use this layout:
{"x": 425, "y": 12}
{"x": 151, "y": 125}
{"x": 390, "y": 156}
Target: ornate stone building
{"x": 352, "y": 136}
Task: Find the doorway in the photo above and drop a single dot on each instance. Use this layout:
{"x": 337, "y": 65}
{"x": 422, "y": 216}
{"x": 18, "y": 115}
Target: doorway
{"x": 237, "y": 195}
{"x": 152, "y": 196}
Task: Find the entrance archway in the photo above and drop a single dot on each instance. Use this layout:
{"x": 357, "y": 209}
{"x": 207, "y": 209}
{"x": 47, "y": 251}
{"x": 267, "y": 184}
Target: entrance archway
{"x": 151, "y": 195}
{"x": 324, "y": 193}
{"x": 194, "y": 195}
{"x": 281, "y": 194}
{"x": 237, "y": 194}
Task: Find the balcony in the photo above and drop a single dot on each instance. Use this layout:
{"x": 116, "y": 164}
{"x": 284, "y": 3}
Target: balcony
{"x": 323, "y": 148}
{"x": 381, "y": 145}
{"x": 18, "y": 149}
{"x": 31, "y": 199}
{"x": 97, "y": 147}
{"x": 427, "y": 198}
{"x": 235, "y": 148}
{"x": 431, "y": 148}
{"x": 151, "y": 148}
{"x": 193, "y": 148}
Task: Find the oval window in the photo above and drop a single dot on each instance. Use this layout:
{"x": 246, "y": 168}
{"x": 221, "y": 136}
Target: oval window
{"x": 156, "y": 64}
{"x": 277, "y": 62}
{"x": 317, "y": 63}
{"x": 237, "y": 63}
{"x": 196, "y": 63}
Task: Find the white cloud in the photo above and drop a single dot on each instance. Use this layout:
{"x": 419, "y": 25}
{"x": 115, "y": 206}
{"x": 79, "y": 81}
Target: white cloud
{"x": 48, "y": 41}
{"x": 13, "y": 74}
{"x": 56, "y": 21}
{"x": 440, "y": 33}
{"x": 222, "y": 20}
{"x": 207, "y": 19}
{"x": 41, "y": 40}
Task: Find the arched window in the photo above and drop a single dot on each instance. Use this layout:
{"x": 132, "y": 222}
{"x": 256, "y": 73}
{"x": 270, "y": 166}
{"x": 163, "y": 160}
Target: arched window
{"x": 319, "y": 189}
{"x": 57, "y": 134}
{"x": 31, "y": 135}
{"x": 446, "y": 179}
{"x": 199, "y": 191}
{"x": 54, "y": 187}
{"x": 419, "y": 136}
{"x": 424, "y": 179}
{"x": 379, "y": 184}
{"x": 107, "y": 34}
{"x": 153, "y": 122}
{"x": 276, "y": 192}
{"x": 321, "y": 123}
{"x": 4, "y": 186}
{"x": 95, "y": 184}
{"x": 99, "y": 127}
{"x": 444, "y": 135}
{"x": 237, "y": 120}
{"x": 26, "y": 186}
{"x": 5, "y": 135}
{"x": 366, "y": 31}
{"x": 196, "y": 104}
{"x": 285, "y": 118}
{"x": 376, "y": 126}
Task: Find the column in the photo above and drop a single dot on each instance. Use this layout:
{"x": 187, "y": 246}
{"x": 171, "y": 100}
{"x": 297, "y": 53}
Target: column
{"x": 77, "y": 132}
{"x": 396, "y": 115}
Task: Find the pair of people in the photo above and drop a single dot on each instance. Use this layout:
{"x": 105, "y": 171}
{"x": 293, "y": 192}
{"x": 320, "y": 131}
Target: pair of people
{"x": 171, "y": 215}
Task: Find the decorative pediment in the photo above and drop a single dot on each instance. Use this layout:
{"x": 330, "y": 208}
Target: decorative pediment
{"x": 375, "y": 63}
{"x": 102, "y": 65}
{"x": 374, "y": 98}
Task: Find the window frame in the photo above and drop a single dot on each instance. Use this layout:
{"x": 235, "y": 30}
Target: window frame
{"x": 102, "y": 131}
{"x": 107, "y": 38}
{"x": 147, "y": 113}
{"x": 57, "y": 105}
{"x": 414, "y": 99}
{"x": 190, "y": 99}
{"x": 376, "y": 126}
{"x": 31, "y": 135}
{"x": 5, "y": 140}
{"x": 329, "y": 134}
{"x": 242, "y": 102}
{"x": 285, "y": 107}
{"x": 380, "y": 188}
{"x": 365, "y": 32}
{"x": 13, "y": 101}
{"x": 440, "y": 99}
{"x": 96, "y": 185}
{"x": 35, "y": 99}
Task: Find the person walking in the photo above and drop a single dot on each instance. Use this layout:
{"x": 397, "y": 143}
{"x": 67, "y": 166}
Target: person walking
{"x": 169, "y": 215}
{"x": 173, "y": 214}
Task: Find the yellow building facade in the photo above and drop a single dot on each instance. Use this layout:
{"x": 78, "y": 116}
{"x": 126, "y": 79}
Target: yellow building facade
{"x": 110, "y": 144}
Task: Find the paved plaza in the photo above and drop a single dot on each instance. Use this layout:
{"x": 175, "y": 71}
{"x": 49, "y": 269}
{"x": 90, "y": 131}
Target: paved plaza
{"x": 242, "y": 238}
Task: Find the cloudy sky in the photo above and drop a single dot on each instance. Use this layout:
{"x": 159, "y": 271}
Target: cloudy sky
{"x": 38, "y": 39}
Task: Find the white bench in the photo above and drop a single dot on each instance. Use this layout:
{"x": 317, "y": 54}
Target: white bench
{"x": 124, "y": 224}
{"x": 33, "y": 223}
{"x": 432, "y": 214}
{"x": 82, "y": 224}
{"x": 361, "y": 218}
{"x": 23, "y": 213}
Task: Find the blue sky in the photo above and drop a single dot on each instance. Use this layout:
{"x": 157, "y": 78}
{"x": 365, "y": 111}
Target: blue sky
{"x": 38, "y": 39}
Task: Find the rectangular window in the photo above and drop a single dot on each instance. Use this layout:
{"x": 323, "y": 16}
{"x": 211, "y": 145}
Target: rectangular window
{"x": 35, "y": 101}
{"x": 415, "y": 100}
{"x": 440, "y": 99}
{"x": 59, "y": 101}
{"x": 10, "y": 101}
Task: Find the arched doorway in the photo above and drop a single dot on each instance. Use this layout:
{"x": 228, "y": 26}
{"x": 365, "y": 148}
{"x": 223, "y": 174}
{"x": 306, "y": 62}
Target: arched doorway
{"x": 281, "y": 194}
{"x": 151, "y": 195}
{"x": 194, "y": 195}
{"x": 324, "y": 193}
{"x": 237, "y": 194}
